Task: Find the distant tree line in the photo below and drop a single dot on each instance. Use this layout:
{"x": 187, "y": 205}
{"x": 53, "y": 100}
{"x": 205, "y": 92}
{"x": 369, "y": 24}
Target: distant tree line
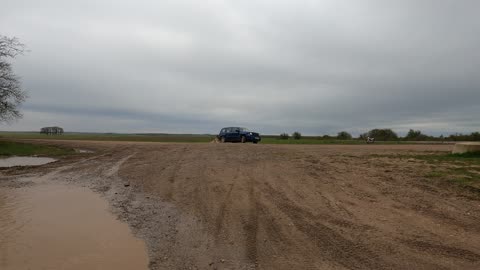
{"x": 52, "y": 130}
{"x": 295, "y": 135}
{"x": 474, "y": 136}
{"x": 390, "y": 135}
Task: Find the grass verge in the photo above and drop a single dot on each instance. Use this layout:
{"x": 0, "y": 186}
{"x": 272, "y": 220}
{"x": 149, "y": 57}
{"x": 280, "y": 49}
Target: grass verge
{"x": 460, "y": 169}
{"x": 8, "y": 148}
{"x": 436, "y": 158}
{"x": 111, "y": 137}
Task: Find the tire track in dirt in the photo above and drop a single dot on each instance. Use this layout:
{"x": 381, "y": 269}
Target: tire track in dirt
{"x": 175, "y": 168}
{"x": 251, "y": 224}
{"x": 329, "y": 242}
{"x": 223, "y": 211}
{"x": 443, "y": 250}
{"x": 113, "y": 170}
{"x": 253, "y": 220}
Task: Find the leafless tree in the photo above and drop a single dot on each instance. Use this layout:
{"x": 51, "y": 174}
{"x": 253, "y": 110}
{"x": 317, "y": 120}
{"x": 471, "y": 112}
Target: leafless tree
{"x": 11, "y": 92}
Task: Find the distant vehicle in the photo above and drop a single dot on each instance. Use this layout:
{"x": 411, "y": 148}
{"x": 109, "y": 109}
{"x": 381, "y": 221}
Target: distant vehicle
{"x": 238, "y": 134}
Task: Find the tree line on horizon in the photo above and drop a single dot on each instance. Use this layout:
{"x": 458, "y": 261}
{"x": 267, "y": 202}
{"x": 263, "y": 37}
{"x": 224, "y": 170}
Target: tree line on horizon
{"x": 389, "y": 135}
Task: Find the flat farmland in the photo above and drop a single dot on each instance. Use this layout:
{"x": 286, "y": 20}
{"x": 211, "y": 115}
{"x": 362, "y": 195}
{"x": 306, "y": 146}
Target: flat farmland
{"x": 245, "y": 206}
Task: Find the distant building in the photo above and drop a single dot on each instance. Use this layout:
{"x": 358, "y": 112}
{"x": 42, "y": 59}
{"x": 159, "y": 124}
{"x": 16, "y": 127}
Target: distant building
{"x": 52, "y": 130}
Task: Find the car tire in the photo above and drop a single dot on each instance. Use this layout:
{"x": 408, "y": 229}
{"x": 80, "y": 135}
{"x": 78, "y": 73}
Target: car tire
{"x": 255, "y": 142}
{"x": 222, "y": 140}
{"x": 243, "y": 139}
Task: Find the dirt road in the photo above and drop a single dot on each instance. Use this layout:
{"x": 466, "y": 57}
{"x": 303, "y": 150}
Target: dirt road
{"x": 244, "y": 206}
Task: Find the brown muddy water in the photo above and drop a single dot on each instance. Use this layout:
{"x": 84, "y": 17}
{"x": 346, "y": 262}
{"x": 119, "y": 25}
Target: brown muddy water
{"x": 24, "y": 161}
{"x": 56, "y": 226}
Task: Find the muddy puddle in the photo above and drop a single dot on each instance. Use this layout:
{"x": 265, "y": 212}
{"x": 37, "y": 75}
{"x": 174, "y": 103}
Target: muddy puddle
{"x": 83, "y": 151}
{"x": 54, "y": 226}
{"x": 24, "y": 161}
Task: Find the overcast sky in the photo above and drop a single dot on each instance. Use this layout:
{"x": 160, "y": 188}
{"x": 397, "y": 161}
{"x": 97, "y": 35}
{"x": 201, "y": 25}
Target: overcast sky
{"x": 182, "y": 66}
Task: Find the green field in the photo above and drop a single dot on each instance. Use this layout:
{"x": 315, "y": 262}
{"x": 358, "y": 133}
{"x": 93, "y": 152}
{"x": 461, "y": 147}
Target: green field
{"x": 8, "y": 148}
{"x": 111, "y": 137}
{"x": 178, "y": 138}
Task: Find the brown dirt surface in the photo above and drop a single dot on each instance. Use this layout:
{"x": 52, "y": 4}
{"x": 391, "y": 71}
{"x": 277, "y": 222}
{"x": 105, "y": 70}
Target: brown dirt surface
{"x": 245, "y": 206}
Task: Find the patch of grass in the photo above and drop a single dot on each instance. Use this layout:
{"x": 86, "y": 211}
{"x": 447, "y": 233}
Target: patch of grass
{"x": 462, "y": 170}
{"x": 432, "y": 158}
{"x": 112, "y": 137}
{"x": 468, "y": 155}
{"x": 465, "y": 181}
{"x": 24, "y": 149}
{"x": 460, "y": 177}
{"x": 456, "y": 175}
{"x": 435, "y": 174}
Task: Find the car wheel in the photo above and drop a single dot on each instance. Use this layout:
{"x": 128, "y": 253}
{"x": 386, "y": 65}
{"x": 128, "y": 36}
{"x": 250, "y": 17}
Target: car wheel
{"x": 222, "y": 139}
{"x": 244, "y": 139}
{"x": 255, "y": 142}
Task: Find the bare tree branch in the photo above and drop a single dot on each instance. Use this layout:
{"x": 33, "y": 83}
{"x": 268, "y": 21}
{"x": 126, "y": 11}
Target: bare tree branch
{"x": 11, "y": 93}
{"x": 10, "y": 47}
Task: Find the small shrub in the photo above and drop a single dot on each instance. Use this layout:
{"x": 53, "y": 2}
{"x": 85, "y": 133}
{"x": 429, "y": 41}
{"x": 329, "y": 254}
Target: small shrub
{"x": 284, "y": 136}
{"x": 382, "y": 134}
{"x": 344, "y": 136}
{"x": 297, "y": 135}
{"x": 325, "y": 137}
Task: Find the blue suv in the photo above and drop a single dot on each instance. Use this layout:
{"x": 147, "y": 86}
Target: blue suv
{"x": 238, "y": 134}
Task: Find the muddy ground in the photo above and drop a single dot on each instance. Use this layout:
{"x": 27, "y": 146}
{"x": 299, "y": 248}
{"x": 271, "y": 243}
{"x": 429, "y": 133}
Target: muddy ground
{"x": 244, "y": 206}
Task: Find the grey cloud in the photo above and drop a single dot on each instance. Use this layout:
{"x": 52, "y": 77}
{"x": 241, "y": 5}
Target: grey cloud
{"x": 314, "y": 66}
